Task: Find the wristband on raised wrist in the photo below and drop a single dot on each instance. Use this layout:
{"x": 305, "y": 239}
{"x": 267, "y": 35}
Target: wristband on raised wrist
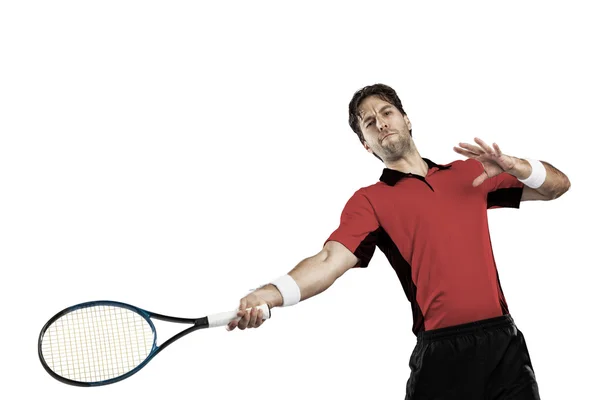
{"x": 538, "y": 174}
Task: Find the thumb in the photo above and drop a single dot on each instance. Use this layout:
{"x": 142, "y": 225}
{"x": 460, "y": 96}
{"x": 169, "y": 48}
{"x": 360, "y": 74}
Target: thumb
{"x": 480, "y": 179}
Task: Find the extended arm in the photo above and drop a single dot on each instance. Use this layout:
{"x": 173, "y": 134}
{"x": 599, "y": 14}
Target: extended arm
{"x": 313, "y": 275}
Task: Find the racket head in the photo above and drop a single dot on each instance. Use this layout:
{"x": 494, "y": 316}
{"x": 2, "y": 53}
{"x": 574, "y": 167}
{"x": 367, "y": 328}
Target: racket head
{"x": 97, "y": 343}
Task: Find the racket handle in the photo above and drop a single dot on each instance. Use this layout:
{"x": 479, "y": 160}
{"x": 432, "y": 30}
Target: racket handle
{"x": 225, "y": 318}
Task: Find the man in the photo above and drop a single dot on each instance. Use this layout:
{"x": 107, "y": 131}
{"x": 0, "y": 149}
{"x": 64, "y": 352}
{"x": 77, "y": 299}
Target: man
{"x": 430, "y": 221}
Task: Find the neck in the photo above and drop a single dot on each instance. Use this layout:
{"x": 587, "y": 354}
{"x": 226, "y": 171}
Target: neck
{"x": 412, "y": 163}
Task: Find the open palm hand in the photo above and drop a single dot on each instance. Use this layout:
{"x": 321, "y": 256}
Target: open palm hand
{"x": 492, "y": 159}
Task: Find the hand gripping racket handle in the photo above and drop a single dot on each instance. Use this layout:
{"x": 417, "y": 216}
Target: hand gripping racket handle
{"x": 224, "y": 318}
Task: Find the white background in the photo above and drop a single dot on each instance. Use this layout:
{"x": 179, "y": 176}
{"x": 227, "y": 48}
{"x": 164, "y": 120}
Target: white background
{"x": 174, "y": 155}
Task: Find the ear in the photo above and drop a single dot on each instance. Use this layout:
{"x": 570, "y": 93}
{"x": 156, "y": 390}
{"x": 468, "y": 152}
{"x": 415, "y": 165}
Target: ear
{"x": 367, "y": 147}
{"x": 407, "y": 121}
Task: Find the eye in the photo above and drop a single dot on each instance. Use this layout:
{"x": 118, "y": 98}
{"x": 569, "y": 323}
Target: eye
{"x": 387, "y": 113}
{"x": 369, "y": 124}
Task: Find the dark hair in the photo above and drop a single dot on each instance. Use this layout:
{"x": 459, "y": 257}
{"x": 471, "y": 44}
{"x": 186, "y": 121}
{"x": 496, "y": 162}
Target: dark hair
{"x": 380, "y": 90}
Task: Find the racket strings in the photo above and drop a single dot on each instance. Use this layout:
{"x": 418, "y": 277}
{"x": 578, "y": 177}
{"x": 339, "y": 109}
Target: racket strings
{"x": 97, "y": 343}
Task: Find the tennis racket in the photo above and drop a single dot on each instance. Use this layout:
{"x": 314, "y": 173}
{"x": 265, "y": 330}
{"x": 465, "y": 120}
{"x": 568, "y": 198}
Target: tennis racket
{"x": 103, "y": 342}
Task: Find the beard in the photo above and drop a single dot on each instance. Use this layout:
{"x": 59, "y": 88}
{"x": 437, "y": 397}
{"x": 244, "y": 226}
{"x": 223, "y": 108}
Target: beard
{"x": 395, "y": 147}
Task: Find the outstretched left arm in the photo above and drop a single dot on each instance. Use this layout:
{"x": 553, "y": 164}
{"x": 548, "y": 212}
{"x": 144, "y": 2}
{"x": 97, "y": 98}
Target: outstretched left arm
{"x": 494, "y": 162}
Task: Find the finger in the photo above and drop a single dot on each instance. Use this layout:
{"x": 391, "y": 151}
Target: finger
{"x": 259, "y": 318}
{"x": 244, "y": 315}
{"x": 498, "y": 151}
{"x": 243, "y": 322}
{"x": 479, "y": 180}
{"x": 242, "y": 307}
{"x": 243, "y": 304}
{"x": 465, "y": 153}
{"x": 471, "y": 148}
{"x": 231, "y": 326}
{"x": 484, "y": 146}
{"x": 234, "y": 324}
{"x": 253, "y": 315}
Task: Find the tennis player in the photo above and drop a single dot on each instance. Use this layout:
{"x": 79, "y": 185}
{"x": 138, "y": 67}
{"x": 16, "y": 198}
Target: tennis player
{"x": 430, "y": 221}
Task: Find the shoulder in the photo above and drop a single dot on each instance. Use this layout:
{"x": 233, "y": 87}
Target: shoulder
{"x": 372, "y": 191}
{"x": 461, "y": 164}
{"x": 468, "y": 166}
{"x": 366, "y": 196}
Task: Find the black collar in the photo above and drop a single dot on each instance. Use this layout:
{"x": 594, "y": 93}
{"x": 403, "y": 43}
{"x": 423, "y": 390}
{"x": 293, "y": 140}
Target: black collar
{"x": 391, "y": 176}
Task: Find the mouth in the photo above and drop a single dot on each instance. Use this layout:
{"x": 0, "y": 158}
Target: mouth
{"x": 386, "y": 136}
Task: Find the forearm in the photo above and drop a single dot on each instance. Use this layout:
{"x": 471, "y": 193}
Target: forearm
{"x": 313, "y": 275}
{"x": 555, "y": 185}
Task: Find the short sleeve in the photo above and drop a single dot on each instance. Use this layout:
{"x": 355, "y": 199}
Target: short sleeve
{"x": 504, "y": 190}
{"x": 359, "y": 228}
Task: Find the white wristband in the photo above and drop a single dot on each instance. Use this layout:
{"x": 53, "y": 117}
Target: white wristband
{"x": 289, "y": 289}
{"x": 538, "y": 174}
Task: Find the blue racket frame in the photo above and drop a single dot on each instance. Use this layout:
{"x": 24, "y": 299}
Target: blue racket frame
{"x": 197, "y": 323}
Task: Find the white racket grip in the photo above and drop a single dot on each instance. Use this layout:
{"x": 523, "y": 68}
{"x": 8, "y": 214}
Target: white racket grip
{"x": 224, "y": 318}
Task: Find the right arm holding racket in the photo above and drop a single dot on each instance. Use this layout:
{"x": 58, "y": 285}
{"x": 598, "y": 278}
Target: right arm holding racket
{"x": 312, "y": 276}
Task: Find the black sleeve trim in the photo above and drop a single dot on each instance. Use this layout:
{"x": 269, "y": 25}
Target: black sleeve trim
{"x": 509, "y": 197}
{"x": 365, "y": 250}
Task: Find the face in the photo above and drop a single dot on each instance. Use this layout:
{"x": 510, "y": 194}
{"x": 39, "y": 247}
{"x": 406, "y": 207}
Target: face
{"x": 385, "y": 129}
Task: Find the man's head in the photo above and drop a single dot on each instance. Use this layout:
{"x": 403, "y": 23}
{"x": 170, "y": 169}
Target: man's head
{"x": 377, "y": 117}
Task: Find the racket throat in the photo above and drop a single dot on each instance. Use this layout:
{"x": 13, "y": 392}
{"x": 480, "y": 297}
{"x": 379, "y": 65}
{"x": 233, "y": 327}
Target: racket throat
{"x": 201, "y": 323}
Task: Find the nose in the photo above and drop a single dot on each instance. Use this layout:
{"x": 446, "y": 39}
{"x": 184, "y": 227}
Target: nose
{"x": 381, "y": 124}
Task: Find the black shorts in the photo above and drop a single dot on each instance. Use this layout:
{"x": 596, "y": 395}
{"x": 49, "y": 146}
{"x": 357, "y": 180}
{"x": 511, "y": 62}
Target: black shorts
{"x": 482, "y": 360}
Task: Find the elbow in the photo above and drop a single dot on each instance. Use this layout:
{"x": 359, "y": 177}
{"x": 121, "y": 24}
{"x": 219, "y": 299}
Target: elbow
{"x": 327, "y": 275}
{"x": 335, "y": 260}
{"x": 562, "y": 189}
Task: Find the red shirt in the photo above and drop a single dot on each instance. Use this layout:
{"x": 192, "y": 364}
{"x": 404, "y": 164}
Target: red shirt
{"x": 434, "y": 232}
